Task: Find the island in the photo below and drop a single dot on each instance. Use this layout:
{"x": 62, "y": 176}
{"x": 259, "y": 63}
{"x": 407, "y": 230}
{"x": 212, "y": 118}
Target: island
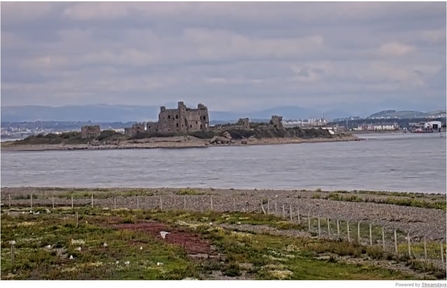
{"x": 182, "y": 127}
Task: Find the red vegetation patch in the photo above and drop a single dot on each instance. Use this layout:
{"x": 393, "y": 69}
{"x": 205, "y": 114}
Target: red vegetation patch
{"x": 191, "y": 242}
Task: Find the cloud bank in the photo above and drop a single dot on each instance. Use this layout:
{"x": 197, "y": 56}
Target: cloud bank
{"x": 230, "y": 56}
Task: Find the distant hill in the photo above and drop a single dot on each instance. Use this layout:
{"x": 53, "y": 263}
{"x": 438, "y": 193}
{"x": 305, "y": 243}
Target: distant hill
{"x": 127, "y": 113}
{"x": 406, "y": 114}
{"x": 94, "y": 113}
{"x": 135, "y": 113}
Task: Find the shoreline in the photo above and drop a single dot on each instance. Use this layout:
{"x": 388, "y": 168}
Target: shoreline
{"x": 171, "y": 143}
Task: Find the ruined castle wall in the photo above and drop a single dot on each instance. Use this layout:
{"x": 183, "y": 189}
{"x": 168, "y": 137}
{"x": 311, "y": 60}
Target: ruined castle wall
{"x": 183, "y": 119}
{"x": 90, "y": 131}
{"x": 276, "y": 122}
{"x": 152, "y": 127}
{"x": 169, "y": 121}
{"x": 135, "y": 129}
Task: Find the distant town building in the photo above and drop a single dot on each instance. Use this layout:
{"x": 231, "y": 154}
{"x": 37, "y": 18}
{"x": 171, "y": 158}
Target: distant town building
{"x": 90, "y": 131}
{"x": 378, "y": 127}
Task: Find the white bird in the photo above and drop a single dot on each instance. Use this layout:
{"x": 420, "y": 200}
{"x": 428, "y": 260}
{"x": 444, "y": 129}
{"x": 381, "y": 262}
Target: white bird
{"x": 71, "y": 257}
{"x": 239, "y": 223}
{"x": 211, "y": 223}
{"x": 117, "y": 262}
{"x": 105, "y": 245}
{"x": 127, "y": 262}
{"x": 48, "y": 246}
{"x": 159, "y": 263}
{"x": 79, "y": 248}
{"x": 12, "y": 242}
{"x": 163, "y": 234}
{"x": 141, "y": 248}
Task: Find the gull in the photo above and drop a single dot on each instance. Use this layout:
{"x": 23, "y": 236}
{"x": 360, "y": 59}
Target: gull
{"x": 163, "y": 234}
{"x": 117, "y": 262}
{"x": 105, "y": 244}
{"x": 79, "y": 248}
{"x": 141, "y": 248}
{"x": 127, "y": 262}
{"x": 48, "y": 246}
{"x": 71, "y": 257}
{"x": 12, "y": 242}
{"x": 159, "y": 263}
{"x": 211, "y": 223}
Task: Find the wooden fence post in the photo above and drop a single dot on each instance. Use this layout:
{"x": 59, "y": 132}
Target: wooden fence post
{"x": 276, "y": 207}
{"x": 358, "y": 232}
{"x": 114, "y": 202}
{"x": 291, "y": 212}
{"x": 9, "y": 199}
{"x": 234, "y": 204}
{"x": 442, "y": 253}
{"x": 383, "y": 238}
{"x": 395, "y": 242}
{"x": 349, "y": 232}
{"x": 72, "y": 204}
{"x": 31, "y": 200}
{"x": 52, "y": 200}
{"x": 138, "y": 202}
{"x": 283, "y": 212}
{"x": 184, "y": 203}
{"x": 370, "y": 235}
{"x": 328, "y": 227}
{"x": 308, "y": 220}
{"x": 268, "y": 206}
{"x": 409, "y": 244}
{"x": 161, "y": 204}
{"x": 92, "y": 201}
{"x": 338, "y": 228}
{"x": 319, "y": 227}
{"x": 211, "y": 203}
{"x": 299, "y": 216}
{"x": 77, "y": 219}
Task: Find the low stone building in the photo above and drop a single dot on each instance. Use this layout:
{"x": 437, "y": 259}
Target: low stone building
{"x": 90, "y": 131}
{"x": 135, "y": 129}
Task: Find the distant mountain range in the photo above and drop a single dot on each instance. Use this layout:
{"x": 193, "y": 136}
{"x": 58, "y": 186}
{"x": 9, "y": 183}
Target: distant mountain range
{"x": 407, "y": 114}
{"x": 126, "y": 113}
{"x": 130, "y": 113}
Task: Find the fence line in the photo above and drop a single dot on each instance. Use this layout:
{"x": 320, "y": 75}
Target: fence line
{"x": 388, "y": 238}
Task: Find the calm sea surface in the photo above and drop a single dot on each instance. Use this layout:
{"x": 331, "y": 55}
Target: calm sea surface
{"x": 390, "y": 162}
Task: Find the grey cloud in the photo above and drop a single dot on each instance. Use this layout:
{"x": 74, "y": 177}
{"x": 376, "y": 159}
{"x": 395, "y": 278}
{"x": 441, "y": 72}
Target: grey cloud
{"x": 228, "y": 55}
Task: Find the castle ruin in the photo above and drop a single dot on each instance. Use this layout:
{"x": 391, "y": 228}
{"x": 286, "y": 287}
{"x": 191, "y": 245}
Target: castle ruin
{"x": 135, "y": 129}
{"x": 90, "y": 131}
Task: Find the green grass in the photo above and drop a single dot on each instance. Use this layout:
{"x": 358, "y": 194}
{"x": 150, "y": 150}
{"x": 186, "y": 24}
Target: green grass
{"x": 249, "y": 255}
{"x": 102, "y": 193}
{"x": 398, "y": 199}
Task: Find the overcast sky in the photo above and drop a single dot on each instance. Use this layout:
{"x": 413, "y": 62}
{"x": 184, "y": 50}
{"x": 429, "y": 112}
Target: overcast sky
{"x": 241, "y": 56}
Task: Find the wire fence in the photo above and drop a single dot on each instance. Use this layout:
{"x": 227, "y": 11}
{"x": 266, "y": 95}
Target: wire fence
{"x": 367, "y": 231}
